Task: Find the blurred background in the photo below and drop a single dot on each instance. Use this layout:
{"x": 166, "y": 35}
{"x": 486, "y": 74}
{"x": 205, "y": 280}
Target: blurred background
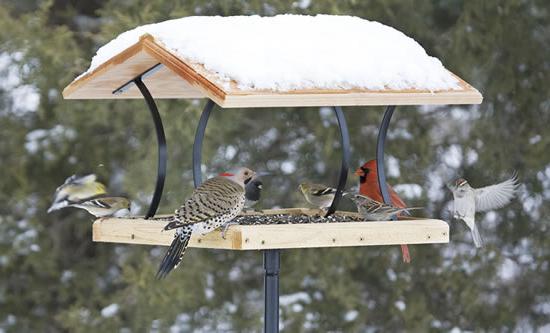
{"x": 55, "y": 279}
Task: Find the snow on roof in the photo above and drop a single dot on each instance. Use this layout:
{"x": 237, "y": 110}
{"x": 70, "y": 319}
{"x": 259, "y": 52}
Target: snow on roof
{"x": 289, "y": 52}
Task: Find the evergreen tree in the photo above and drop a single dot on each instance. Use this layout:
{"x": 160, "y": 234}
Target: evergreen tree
{"x": 53, "y": 278}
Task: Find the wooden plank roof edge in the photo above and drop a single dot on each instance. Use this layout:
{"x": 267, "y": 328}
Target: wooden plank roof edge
{"x": 182, "y": 68}
{"x": 226, "y": 98}
{"x": 148, "y": 44}
{"x": 115, "y": 60}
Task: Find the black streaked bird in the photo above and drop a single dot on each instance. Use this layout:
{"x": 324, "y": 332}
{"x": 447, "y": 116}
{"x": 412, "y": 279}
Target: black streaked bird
{"x": 373, "y": 210}
{"x": 105, "y": 206}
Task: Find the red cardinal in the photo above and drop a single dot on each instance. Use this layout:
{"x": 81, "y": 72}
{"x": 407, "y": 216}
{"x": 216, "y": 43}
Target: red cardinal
{"x": 368, "y": 185}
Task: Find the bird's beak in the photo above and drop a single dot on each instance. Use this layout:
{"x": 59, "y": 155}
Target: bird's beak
{"x": 359, "y": 172}
{"x": 451, "y": 186}
{"x": 263, "y": 173}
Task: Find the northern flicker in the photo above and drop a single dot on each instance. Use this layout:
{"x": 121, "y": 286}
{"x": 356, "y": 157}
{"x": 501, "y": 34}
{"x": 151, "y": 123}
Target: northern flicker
{"x": 469, "y": 200}
{"x": 75, "y": 189}
{"x": 211, "y": 205}
{"x": 373, "y": 210}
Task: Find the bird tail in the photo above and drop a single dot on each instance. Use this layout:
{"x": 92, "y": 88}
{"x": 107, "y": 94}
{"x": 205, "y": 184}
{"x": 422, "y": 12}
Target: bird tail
{"x": 58, "y": 205}
{"x": 405, "y": 253}
{"x": 476, "y": 236}
{"x": 175, "y": 252}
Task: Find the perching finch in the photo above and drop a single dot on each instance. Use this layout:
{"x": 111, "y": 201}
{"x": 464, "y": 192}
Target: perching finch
{"x": 104, "y": 206}
{"x": 76, "y": 189}
{"x": 214, "y": 203}
{"x": 318, "y": 195}
{"x": 253, "y": 192}
{"x": 468, "y": 201}
{"x": 373, "y": 210}
{"x": 368, "y": 185}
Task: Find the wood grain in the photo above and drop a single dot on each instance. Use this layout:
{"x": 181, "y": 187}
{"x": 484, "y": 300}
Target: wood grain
{"x": 280, "y": 236}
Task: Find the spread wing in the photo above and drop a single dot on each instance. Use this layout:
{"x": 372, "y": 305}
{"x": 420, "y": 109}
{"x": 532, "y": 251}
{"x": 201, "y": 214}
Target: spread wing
{"x": 496, "y": 196}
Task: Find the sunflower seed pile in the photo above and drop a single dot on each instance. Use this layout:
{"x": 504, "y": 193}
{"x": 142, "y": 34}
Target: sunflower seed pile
{"x": 292, "y": 219}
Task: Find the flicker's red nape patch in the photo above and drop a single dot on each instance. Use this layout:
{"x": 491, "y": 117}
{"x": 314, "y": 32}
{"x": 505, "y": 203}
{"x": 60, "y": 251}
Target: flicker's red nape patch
{"x": 226, "y": 174}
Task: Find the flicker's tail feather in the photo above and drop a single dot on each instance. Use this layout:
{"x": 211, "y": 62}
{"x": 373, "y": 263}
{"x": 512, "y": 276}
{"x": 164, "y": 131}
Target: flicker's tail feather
{"x": 175, "y": 252}
{"x": 476, "y": 236}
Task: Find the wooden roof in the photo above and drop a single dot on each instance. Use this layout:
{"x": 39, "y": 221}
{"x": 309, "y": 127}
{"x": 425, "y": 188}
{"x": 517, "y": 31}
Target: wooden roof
{"x": 180, "y": 78}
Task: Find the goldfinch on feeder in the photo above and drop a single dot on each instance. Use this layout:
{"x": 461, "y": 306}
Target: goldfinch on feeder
{"x": 75, "y": 189}
{"x": 105, "y": 206}
{"x": 469, "y": 200}
{"x": 373, "y": 210}
{"x": 318, "y": 195}
{"x": 213, "y": 204}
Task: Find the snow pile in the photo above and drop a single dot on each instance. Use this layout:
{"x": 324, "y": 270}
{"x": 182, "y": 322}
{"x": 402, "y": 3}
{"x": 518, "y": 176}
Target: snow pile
{"x": 288, "y": 52}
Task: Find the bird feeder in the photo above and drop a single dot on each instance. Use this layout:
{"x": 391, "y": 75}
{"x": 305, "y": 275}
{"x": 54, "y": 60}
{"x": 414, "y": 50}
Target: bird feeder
{"x": 150, "y": 68}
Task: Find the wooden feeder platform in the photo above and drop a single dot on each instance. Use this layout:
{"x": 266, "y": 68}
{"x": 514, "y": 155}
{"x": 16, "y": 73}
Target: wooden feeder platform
{"x": 280, "y": 236}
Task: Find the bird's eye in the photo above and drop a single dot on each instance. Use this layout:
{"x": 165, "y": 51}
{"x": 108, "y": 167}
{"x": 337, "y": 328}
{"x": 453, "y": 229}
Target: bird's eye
{"x": 260, "y": 187}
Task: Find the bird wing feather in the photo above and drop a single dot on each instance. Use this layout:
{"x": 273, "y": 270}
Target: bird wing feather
{"x": 320, "y": 190}
{"x": 215, "y": 197}
{"x": 495, "y": 196}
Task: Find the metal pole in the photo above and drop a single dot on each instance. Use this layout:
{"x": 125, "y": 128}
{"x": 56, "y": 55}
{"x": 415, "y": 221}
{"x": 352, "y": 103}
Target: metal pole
{"x": 197, "y": 144}
{"x": 161, "y": 142}
{"x": 380, "y": 154}
{"x": 272, "y": 265}
{"x": 344, "y": 139}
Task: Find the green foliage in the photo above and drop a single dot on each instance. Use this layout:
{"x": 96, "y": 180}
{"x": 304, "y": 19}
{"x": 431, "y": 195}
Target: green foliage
{"x": 55, "y": 279}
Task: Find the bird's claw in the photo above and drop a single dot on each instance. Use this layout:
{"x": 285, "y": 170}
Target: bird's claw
{"x": 224, "y": 231}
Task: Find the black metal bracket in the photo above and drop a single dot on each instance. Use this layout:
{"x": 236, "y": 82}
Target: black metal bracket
{"x": 344, "y": 168}
{"x": 197, "y": 145}
{"x": 142, "y": 76}
{"x": 380, "y": 141}
{"x": 161, "y": 138}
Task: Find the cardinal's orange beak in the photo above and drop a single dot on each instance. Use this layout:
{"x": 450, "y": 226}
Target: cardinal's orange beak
{"x": 359, "y": 172}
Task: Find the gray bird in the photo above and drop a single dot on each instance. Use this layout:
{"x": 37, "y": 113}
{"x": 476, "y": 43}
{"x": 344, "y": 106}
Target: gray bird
{"x": 213, "y": 204}
{"x": 253, "y": 192}
{"x": 469, "y": 200}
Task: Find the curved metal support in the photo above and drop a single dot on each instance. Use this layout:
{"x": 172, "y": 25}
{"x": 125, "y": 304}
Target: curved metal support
{"x": 344, "y": 139}
{"x": 380, "y": 154}
{"x": 161, "y": 141}
{"x": 197, "y": 145}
